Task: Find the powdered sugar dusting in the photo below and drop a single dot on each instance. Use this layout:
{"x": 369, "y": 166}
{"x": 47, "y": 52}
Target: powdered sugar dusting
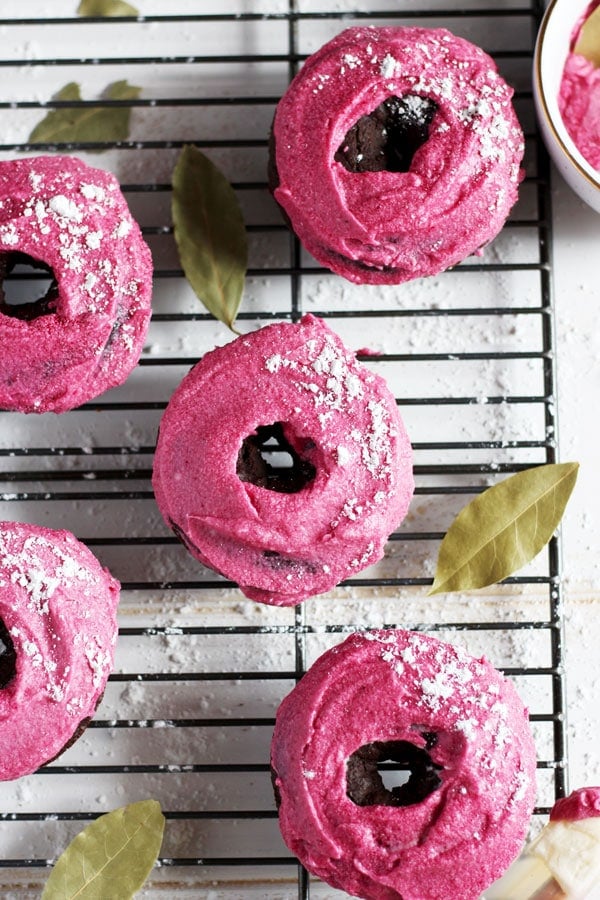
{"x": 474, "y": 145}
{"x": 396, "y": 687}
{"x": 340, "y": 389}
{"x": 465, "y": 688}
{"x": 388, "y": 66}
{"x": 53, "y": 593}
{"x": 65, "y": 208}
{"x": 73, "y": 219}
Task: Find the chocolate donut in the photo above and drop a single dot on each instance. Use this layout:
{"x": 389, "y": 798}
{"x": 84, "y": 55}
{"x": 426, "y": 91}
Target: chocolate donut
{"x": 85, "y": 334}
{"x": 396, "y": 153}
{"x": 57, "y": 635}
{"x": 283, "y": 533}
{"x": 452, "y": 720}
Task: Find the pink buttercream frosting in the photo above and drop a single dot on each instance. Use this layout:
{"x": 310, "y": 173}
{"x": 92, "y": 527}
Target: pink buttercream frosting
{"x": 339, "y": 418}
{"x": 583, "y": 803}
{"x": 74, "y": 219}
{"x": 388, "y": 227}
{"x": 58, "y": 606}
{"x": 396, "y": 686}
{"x": 579, "y": 99}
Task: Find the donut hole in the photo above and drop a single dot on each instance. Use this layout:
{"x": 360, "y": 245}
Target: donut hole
{"x": 386, "y": 139}
{"x": 412, "y": 778}
{"x": 28, "y": 287}
{"x": 268, "y": 460}
{"x": 8, "y": 657}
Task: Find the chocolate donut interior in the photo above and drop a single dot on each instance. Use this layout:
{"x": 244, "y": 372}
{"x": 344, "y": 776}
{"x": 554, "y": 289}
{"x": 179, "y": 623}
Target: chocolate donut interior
{"x": 32, "y": 292}
{"x": 8, "y": 657}
{"x": 267, "y": 459}
{"x": 364, "y": 780}
{"x": 387, "y": 139}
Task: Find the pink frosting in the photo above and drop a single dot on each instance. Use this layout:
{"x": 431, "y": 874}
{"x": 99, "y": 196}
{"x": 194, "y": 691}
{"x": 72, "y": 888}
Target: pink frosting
{"x": 388, "y": 227}
{"x": 397, "y": 686}
{"x": 59, "y": 211}
{"x": 583, "y": 803}
{"x": 579, "y": 99}
{"x": 336, "y": 414}
{"x": 58, "y": 606}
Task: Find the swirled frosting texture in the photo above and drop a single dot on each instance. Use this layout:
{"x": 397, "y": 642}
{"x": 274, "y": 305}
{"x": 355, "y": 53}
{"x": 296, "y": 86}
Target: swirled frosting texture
{"x": 58, "y": 606}
{"x": 74, "y": 219}
{"x": 389, "y": 227}
{"x": 337, "y": 415}
{"x": 398, "y": 686}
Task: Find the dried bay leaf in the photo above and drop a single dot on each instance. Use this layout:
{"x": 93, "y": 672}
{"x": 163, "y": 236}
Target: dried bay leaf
{"x": 209, "y": 233}
{"x": 106, "y": 8}
{"x": 503, "y": 528}
{"x": 112, "y": 857}
{"x": 588, "y": 42}
{"x": 87, "y": 124}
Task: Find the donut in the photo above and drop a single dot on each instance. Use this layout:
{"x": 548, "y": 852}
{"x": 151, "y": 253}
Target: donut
{"x": 57, "y": 635}
{"x": 287, "y": 532}
{"x": 452, "y": 720}
{"x": 395, "y": 153}
{"x": 85, "y": 335}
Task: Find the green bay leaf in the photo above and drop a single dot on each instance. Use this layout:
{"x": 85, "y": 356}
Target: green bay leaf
{"x": 503, "y": 528}
{"x": 106, "y": 8}
{"x": 210, "y": 234}
{"x": 112, "y": 857}
{"x": 588, "y": 42}
{"x": 87, "y": 124}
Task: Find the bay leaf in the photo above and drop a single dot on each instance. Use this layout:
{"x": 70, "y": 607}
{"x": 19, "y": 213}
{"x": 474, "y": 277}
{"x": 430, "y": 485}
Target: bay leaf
{"x": 106, "y": 8}
{"x": 588, "y": 42}
{"x": 87, "y": 124}
{"x": 209, "y": 233}
{"x": 112, "y": 857}
{"x": 503, "y": 528}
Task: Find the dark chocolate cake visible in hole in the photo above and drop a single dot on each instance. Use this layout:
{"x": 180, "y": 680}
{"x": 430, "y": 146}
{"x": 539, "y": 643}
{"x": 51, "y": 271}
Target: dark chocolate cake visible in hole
{"x": 364, "y": 781}
{"x": 268, "y": 460}
{"x": 8, "y": 657}
{"x": 387, "y": 139}
{"x": 31, "y": 295}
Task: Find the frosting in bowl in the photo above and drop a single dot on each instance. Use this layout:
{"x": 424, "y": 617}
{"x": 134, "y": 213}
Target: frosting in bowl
{"x": 579, "y": 99}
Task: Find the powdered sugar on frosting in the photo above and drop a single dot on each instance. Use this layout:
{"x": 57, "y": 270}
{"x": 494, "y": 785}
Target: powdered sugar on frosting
{"x": 59, "y": 607}
{"x": 335, "y": 413}
{"x": 389, "y": 686}
{"x": 73, "y": 219}
{"x": 388, "y": 227}
{"x": 340, "y": 389}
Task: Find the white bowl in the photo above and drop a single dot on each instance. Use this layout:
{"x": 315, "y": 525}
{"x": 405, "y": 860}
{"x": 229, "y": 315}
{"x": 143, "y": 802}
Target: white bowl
{"x": 551, "y": 50}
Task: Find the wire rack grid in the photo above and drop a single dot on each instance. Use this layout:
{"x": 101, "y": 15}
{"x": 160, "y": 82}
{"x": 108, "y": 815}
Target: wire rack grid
{"x": 188, "y": 713}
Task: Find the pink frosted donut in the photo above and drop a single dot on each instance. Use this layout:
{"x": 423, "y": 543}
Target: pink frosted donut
{"x": 57, "y": 635}
{"x": 86, "y": 334}
{"x": 396, "y": 153}
{"x": 452, "y": 720}
{"x": 283, "y": 534}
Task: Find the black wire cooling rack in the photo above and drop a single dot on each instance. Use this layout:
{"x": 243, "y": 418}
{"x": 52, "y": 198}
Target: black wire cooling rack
{"x": 188, "y": 713}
